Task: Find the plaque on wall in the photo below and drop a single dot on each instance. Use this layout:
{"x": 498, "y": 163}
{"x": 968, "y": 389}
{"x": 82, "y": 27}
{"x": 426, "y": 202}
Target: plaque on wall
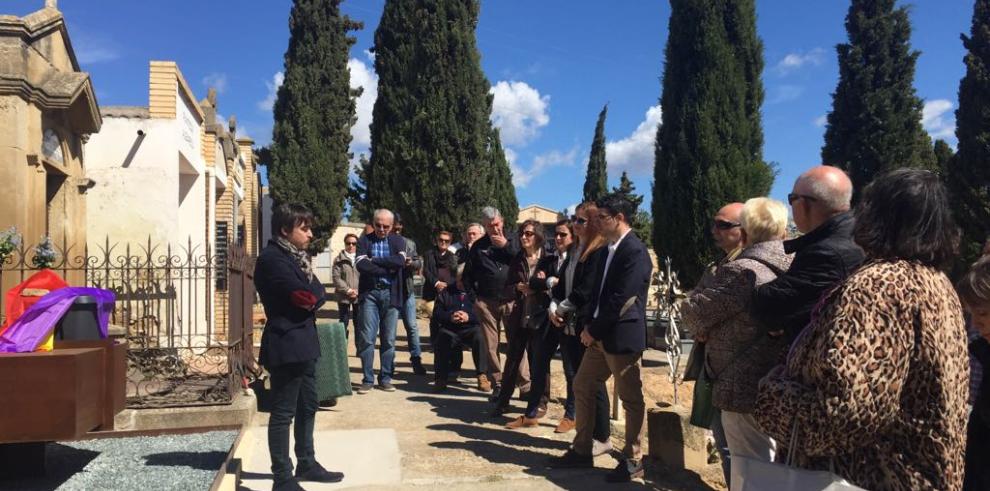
{"x": 221, "y": 252}
{"x": 51, "y": 146}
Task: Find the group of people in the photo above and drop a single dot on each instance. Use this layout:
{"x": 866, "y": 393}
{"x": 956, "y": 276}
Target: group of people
{"x": 844, "y": 348}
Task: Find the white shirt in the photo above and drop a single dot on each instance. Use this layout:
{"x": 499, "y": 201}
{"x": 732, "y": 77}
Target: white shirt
{"x": 608, "y": 262}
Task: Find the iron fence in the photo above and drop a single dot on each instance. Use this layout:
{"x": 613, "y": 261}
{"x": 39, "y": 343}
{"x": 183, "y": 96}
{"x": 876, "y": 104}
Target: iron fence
{"x": 189, "y": 341}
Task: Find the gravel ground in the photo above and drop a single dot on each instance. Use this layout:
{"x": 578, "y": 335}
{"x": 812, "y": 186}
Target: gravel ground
{"x": 170, "y": 462}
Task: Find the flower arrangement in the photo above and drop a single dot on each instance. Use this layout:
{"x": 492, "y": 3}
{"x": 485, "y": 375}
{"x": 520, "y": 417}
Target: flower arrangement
{"x": 44, "y": 254}
{"x": 10, "y": 240}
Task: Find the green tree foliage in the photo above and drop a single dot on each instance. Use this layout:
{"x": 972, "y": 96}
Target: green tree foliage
{"x": 433, "y": 153}
{"x": 943, "y": 156}
{"x": 875, "y": 123}
{"x": 503, "y": 191}
{"x": 596, "y": 179}
{"x": 314, "y": 113}
{"x": 968, "y": 176}
{"x": 357, "y": 194}
{"x": 642, "y": 223}
{"x": 709, "y": 145}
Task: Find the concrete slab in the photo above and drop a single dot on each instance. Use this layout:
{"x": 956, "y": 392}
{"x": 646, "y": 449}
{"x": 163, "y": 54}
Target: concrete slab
{"x": 367, "y": 457}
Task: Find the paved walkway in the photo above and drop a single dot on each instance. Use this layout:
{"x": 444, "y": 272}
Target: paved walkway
{"x": 415, "y": 438}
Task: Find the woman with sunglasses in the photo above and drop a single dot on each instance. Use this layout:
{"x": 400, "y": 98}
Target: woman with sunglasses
{"x": 528, "y": 320}
{"x": 569, "y": 313}
{"x": 548, "y": 271}
{"x": 345, "y": 280}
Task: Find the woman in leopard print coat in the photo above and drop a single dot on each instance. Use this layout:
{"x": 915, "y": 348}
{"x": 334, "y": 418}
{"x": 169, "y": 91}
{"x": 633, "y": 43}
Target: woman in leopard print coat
{"x": 876, "y": 386}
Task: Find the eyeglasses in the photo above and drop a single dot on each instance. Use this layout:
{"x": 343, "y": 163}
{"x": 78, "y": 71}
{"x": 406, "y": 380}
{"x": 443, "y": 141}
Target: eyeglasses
{"x": 443, "y": 241}
{"x": 348, "y": 244}
{"x": 528, "y": 233}
{"x": 581, "y": 221}
{"x": 561, "y": 234}
{"x": 605, "y": 216}
{"x": 725, "y": 225}
{"x": 791, "y": 198}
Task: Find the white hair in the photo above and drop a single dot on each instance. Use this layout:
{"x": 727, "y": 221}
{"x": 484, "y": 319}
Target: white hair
{"x": 490, "y": 213}
{"x": 763, "y": 219}
{"x": 385, "y": 213}
{"x": 474, "y": 224}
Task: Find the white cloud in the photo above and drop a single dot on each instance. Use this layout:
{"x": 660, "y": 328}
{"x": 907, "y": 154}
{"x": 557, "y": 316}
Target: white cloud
{"x": 794, "y": 61}
{"x": 519, "y": 111}
{"x": 370, "y": 55}
{"x": 821, "y": 121}
{"x": 93, "y": 48}
{"x": 555, "y": 158}
{"x": 785, "y": 93}
{"x": 217, "y": 81}
{"x": 635, "y": 153}
{"x": 938, "y": 119}
{"x": 363, "y": 75}
{"x": 269, "y": 102}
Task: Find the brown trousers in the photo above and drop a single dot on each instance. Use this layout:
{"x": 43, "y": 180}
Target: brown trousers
{"x": 597, "y": 366}
{"x": 492, "y": 315}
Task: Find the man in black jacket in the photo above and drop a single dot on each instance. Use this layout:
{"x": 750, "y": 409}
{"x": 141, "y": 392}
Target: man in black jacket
{"x": 456, "y": 323}
{"x": 381, "y": 259}
{"x": 823, "y": 257}
{"x": 616, "y": 339}
{"x": 486, "y": 272}
{"x": 291, "y": 294}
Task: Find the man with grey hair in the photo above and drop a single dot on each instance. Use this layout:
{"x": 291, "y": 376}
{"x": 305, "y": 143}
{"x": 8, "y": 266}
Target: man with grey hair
{"x": 823, "y": 256}
{"x": 485, "y": 274}
{"x": 381, "y": 259}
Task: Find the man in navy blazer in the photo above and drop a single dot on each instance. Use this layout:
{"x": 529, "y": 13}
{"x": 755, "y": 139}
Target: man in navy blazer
{"x": 381, "y": 257}
{"x": 615, "y": 338}
{"x": 291, "y": 294}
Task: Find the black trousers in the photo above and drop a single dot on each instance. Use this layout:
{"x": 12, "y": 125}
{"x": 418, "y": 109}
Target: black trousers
{"x": 346, "y": 310}
{"x": 293, "y": 395}
{"x": 524, "y": 343}
{"x": 450, "y": 342}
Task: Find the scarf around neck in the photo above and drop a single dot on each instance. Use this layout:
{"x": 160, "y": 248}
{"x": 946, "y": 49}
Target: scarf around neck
{"x": 301, "y": 256}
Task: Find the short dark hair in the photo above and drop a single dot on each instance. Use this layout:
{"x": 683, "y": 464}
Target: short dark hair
{"x": 974, "y": 287}
{"x": 905, "y": 214}
{"x": 537, "y": 231}
{"x": 616, "y": 203}
{"x": 289, "y": 216}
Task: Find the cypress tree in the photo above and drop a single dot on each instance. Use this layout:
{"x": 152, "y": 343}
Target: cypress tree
{"x": 313, "y": 114}
{"x": 709, "y": 145}
{"x": 943, "y": 156}
{"x": 596, "y": 179}
{"x": 875, "y": 123}
{"x": 503, "y": 191}
{"x": 968, "y": 177}
{"x": 642, "y": 224}
{"x": 357, "y": 194}
{"x": 430, "y": 151}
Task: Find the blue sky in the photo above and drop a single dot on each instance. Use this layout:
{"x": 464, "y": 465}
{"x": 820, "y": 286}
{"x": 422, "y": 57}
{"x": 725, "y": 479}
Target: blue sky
{"x": 552, "y": 65}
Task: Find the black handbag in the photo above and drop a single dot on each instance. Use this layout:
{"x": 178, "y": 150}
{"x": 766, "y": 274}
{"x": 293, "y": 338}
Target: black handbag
{"x": 692, "y": 370}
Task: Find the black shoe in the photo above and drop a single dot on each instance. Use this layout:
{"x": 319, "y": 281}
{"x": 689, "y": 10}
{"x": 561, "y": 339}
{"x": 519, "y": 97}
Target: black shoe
{"x": 290, "y": 485}
{"x": 387, "y": 387}
{"x": 417, "y": 365}
{"x": 571, "y": 460}
{"x": 365, "y": 388}
{"x": 440, "y": 385}
{"x": 316, "y": 473}
{"x": 331, "y": 402}
{"x": 499, "y": 411}
{"x": 626, "y": 471}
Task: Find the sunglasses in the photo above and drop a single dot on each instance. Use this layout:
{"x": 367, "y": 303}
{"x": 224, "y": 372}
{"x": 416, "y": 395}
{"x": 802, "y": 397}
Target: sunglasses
{"x": 791, "y": 198}
{"x": 348, "y": 244}
{"x": 443, "y": 241}
{"x": 581, "y": 221}
{"x": 725, "y": 225}
{"x": 528, "y": 233}
{"x": 561, "y": 234}
{"x": 605, "y": 216}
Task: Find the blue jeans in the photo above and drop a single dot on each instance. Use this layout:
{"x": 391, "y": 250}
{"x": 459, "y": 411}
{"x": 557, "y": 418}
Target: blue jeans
{"x": 412, "y": 328}
{"x": 293, "y": 395}
{"x": 376, "y": 316}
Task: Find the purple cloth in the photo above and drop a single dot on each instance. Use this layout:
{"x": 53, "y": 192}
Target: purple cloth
{"x": 38, "y": 321}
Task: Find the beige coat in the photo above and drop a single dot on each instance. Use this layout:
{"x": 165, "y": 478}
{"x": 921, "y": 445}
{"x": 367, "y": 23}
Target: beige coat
{"x": 737, "y": 351}
{"x": 345, "y": 277}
